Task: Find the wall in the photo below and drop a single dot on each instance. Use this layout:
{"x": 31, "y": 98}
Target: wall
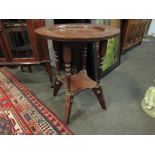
{"x": 151, "y": 31}
{"x": 49, "y": 22}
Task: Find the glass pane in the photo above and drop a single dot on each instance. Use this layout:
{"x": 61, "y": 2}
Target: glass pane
{"x": 21, "y": 53}
{"x": 1, "y": 52}
{"x": 18, "y": 37}
{"x": 26, "y": 36}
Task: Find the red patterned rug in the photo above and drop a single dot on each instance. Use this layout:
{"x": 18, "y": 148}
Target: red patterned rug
{"x": 21, "y": 113}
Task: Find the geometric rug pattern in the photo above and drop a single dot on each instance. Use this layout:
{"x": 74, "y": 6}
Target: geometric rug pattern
{"x": 22, "y": 113}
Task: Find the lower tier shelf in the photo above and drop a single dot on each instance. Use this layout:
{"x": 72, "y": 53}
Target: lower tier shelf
{"x": 79, "y": 81}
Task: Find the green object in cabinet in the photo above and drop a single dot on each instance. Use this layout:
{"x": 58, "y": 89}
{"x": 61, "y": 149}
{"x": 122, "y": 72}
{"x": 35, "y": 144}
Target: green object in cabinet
{"x": 111, "y": 52}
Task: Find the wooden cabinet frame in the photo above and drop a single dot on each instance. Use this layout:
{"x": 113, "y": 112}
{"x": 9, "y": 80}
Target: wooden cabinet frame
{"x": 39, "y": 48}
{"x": 133, "y": 31}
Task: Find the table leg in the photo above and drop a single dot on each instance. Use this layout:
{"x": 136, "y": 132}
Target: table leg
{"x": 58, "y": 83}
{"x": 22, "y": 68}
{"x": 49, "y": 70}
{"x": 69, "y": 96}
{"x": 29, "y": 68}
{"x": 98, "y": 90}
{"x": 99, "y": 94}
{"x": 84, "y": 55}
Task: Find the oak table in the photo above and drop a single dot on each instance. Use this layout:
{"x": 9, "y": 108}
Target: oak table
{"x": 68, "y": 34}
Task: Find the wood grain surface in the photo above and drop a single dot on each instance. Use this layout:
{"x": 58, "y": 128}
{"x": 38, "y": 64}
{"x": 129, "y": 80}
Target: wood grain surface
{"x": 77, "y": 32}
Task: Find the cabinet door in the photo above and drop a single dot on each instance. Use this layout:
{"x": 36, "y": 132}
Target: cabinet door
{"x": 1, "y": 49}
{"x": 134, "y": 32}
{"x": 141, "y": 29}
{"x": 2, "y": 52}
{"x": 18, "y": 40}
{"x": 131, "y": 33}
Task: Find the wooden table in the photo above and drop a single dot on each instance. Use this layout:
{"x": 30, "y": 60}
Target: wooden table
{"x": 84, "y": 34}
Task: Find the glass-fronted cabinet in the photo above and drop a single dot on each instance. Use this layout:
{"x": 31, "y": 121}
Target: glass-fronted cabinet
{"x": 17, "y": 34}
{"x": 1, "y": 52}
{"x": 19, "y": 45}
{"x": 3, "y": 56}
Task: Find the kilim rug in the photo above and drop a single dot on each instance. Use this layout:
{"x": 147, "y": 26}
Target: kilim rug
{"x": 21, "y": 113}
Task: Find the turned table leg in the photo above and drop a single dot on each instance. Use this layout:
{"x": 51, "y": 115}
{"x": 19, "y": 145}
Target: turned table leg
{"x": 58, "y": 83}
{"x": 99, "y": 94}
{"x": 84, "y": 56}
{"x": 98, "y": 90}
{"x": 69, "y": 96}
